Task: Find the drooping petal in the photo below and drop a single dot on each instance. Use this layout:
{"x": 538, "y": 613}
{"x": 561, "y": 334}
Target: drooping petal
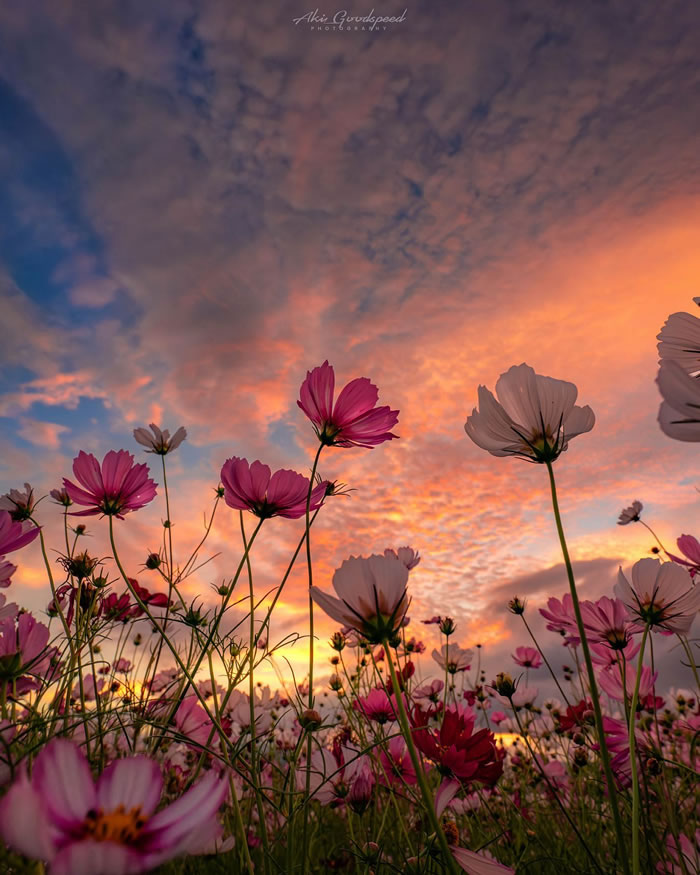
{"x": 88, "y": 857}
{"x": 333, "y": 607}
{"x": 447, "y": 791}
{"x": 133, "y": 782}
{"x": 478, "y": 864}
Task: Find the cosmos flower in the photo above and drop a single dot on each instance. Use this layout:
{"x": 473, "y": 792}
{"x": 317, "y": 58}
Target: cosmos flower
{"x": 159, "y": 441}
{"x": 353, "y": 420}
{"x": 396, "y": 763}
{"x": 15, "y": 535}
{"x": 690, "y": 548}
{"x": 7, "y": 569}
{"x": 452, "y": 658}
{"x": 534, "y": 418}
{"x": 80, "y": 827}
{"x": 252, "y": 487}
{"x": 630, "y": 514}
{"x": 377, "y": 706}
{"x": 371, "y": 596}
{"x": 114, "y": 488}
{"x": 407, "y": 555}
{"x": 679, "y": 341}
{"x": 679, "y": 413}
{"x": 527, "y": 657}
{"x": 661, "y": 594}
{"x": 561, "y": 618}
{"x": 608, "y": 621}
{"x": 23, "y": 649}
{"x": 19, "y": 503}
{"x": 610, "y": 681}
{"x": 60, "y": 496}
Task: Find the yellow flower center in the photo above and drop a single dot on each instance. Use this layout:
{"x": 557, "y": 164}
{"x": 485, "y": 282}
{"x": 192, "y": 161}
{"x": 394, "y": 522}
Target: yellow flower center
{"x": 120, "y": 826}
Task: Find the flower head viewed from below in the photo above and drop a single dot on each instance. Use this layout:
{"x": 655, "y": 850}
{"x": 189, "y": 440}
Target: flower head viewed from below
{"x": 254, "y": 488}
{"x": 534, "y": 417}
{"x": 15, "y": 535}
{"x": 114, "y": 488}
{"x": 661, "y": 594}
{"x": 372, "y": 596}
{"x": 157, "y": 441}
{"x": 353, "y": 420}
{"x": 679, "y": 413}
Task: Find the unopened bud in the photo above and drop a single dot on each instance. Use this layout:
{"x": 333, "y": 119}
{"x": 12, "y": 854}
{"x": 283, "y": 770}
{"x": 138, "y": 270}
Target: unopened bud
{"x": 580, "y": 756}
{"x": 310, "y": 719}
{"x": 153, "y": 561}
{"x": 516, "y": 606}
{"x": 504, "y": 685}
{"x": 338, "y": 641}
{"x": 579, "y": 738}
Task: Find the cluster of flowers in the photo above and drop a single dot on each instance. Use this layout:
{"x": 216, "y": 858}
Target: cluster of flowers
{"x": 134, "y": 732}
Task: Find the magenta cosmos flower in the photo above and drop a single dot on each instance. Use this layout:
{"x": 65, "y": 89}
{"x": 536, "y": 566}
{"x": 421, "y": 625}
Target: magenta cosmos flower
{"x": 15, "y": 535}
{"x": 661, "y": 594}
{"x": 109, "y": 828}
{"x": 253, "y": 487}
{"x": 534, "y": 418}
{"x": 371, "y": 596}
{"x": 354, "y": 420}
{"x": 113, "y": 488}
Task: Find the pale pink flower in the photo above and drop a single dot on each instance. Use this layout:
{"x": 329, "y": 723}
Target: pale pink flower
{"x": 479, "y": 863}
{"x": 534, "y": 418}
{"x": 371, "y": 593}
{"x": 604, "y": 655}
{"x": 690, "y": 548}
{"x": 354, "y": 420}
{"x": 7, "y": 609}
{"x": 679, "y": 342}
{"x": 679, "y": 413}
{"x": 610, "y": 681}
{"x": 561, "y": 618}
{"x": 123, "y": 665}
{"x": 15, "y": 535}
{"x": 523, "y": 697}
{"x": 192, "y": 721}
{"x": 114, "y": 488}
{"x": 80, "y": 827}
{"x": 608, "y": 621}
{"x": 661, "y": 594}
{"x": 60, "y": 496}
{"x": 23, "y": 649}
{"x": 157, "y": 441}
{"x": 253, "y": 487}
{"x": 429, "y": 692}
{"x": 452, "y": 658}
{"x": 407, "y": 555}
{"x": 630, "y": 514}
{"x": 7, "y": 569}
{"x": 527, "y": 657}
{"x": 684, "y": 854}
{"x": 19, "y": 503}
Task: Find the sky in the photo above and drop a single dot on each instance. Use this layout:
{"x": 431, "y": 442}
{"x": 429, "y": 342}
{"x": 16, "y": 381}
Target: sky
{"x": 202, "y": 201}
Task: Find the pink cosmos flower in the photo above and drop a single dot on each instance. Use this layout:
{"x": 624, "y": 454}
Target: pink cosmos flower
{"x": 7, "y": 569}
{"x": 479, "y": 863}
{"x": 19, "y": 503}
{"x": 630, "y": 514}
{"x": 690, "y": 548}
{"x": 354, "y": 420}
{"x": 679, "y": 341}
{"x": 23, "y": 650}
{"x": 661, "y": 594}
{"x": 114, "y": 488}
{"x": 15, "y": 535}
{"x": 684, "y": 855}
{"x": 561, "y": 618}
{"x": 429, "y": 694}
{"x": 377, "y": 706}
{"x": 608, "y": 622}
{"x": 60, "y": 496}
{"x": 396, "y": 763}
{"x": 253, "y": 487}
{"x": 527, "y": 657}
{"x": 109, "y": 828}
{"x": 498, "y": 717}
{"x": 407, "y": 555}
{"x": 192, "y": 721}
{"x": 610, "y": 681}
{"x": 679, "y": 413}
{"x": 371, "y": 596}
{"x": 534, "y": 418}
{"x": 604, "y": 655}
{"x": 157, "y": 441}
{"x": 452, "y": 658}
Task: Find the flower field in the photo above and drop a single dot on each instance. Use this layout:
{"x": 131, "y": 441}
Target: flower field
{"x": 137, "y": 735}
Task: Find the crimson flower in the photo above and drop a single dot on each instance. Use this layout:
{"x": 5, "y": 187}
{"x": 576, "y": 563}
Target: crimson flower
{"x": 113, "y": 488}
{"x": 253, "y": 487}
{"x": 353, "y": 420}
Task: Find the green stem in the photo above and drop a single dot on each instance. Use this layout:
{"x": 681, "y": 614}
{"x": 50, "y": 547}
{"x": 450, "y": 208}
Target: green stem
{"x": 428, "y": 801}
{"x": 633, "y": 758}
{"x": 604, "y": 753}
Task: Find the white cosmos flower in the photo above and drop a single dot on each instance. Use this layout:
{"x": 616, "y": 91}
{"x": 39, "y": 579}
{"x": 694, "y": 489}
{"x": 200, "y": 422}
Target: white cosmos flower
{"x": 534, "y": 417}
{"x": 661, "y": 594}
{"x": 679, "y": 341}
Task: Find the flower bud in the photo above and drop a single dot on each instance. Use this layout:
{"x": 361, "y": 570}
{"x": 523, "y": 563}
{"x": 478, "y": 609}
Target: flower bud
{"x": 516, "y": 606}
{"x": 338, "y": 641}
{"x": 310, "y": 720}
{"x": 153, "y": 561}
{"x": 504, "y": 685}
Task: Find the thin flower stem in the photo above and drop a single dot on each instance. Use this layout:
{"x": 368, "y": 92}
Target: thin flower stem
{"x": 428, "y": 801}
{"x": 691, "y": 660}
{"x": 604, "y": 753}
{"x": 633, "y": 758}
{"x": 653, "y": 534}
{"x": 546, "y": 661}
